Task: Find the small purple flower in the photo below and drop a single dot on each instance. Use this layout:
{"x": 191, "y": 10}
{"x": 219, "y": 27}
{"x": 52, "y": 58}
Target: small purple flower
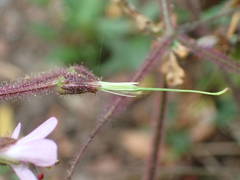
{"x": 34, "y": 149}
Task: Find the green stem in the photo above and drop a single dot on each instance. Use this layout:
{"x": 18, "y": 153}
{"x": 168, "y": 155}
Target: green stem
{"x": 8, "y": 161}
{"x": 183, "y": 90}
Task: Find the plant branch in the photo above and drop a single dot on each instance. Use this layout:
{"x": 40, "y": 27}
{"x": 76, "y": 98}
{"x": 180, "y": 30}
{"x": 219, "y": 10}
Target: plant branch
{"x": 211, "y": 54}
{"x": 192, "y": 25}
{"x": 158, "y": 135}
{"x": 142, "y": 22}
{"x": 166, "y": 15}
{"x": 155, "y": 55}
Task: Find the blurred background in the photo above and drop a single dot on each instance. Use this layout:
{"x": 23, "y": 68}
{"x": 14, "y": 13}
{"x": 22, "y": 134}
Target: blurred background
{"x": 202, "y": 133}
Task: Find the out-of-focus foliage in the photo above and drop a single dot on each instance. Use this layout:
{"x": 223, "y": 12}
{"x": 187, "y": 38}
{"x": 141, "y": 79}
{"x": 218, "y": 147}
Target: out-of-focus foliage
{"x": 227, "y": 111}
{"x": 4, "y": 169}
{"x": 97, "y": 34}
{"x": 179, "y": 142}
{"x": 88, "y": 33}
{"x": 6, "y": 172}
{"x": 94, "y": 33}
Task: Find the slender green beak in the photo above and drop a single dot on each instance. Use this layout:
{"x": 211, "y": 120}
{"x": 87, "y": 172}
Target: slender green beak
{"x": 131, "y": 89}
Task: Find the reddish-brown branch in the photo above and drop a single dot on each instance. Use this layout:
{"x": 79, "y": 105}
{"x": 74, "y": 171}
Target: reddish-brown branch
{"x": 211, "y": 54}
{"x": 158, "y": 135}
{"x": 189, "y": 26}
{"x": 166, "y": 15}
{"x": 73, "y": 80}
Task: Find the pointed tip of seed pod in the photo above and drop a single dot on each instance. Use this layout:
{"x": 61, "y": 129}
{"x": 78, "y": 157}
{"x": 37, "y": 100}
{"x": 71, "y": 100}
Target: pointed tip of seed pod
{"x": 223, "y": 91}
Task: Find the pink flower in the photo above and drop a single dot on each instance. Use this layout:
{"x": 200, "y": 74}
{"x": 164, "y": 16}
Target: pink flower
{"x": 34, "y": 148}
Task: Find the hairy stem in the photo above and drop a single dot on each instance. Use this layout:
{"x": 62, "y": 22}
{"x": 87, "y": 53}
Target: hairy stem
{"x": 72, "y": 80}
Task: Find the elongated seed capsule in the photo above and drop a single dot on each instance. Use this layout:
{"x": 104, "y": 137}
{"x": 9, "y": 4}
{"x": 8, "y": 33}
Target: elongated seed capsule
{"x": 77, "y": 80}
{"x": 131, "y": 89}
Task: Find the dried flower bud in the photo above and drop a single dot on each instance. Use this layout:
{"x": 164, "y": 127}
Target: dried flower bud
{"x": 78, "y": 80}
{"x": 181, "y": 50}
{"x": 142, "y": 22}
{"x": 114, "y": 10}
{"x": 174, "y": 73}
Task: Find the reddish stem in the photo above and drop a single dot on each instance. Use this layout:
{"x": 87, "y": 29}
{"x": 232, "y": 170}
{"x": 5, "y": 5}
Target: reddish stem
{"x": 158, "y": 135}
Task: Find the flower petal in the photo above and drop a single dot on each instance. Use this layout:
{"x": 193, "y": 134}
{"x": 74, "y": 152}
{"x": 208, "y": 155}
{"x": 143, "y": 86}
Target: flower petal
{"x": 41, "y": 131}
{"x": 41, "y": 152}
{"x": 23, "y": 172}
{"x": 16, "y": 131}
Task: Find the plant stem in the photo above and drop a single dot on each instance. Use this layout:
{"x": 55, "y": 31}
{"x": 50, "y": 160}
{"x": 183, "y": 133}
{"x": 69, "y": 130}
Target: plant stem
{"x": 183, "y": 91}
{"x": 189, "y": 26}
{"x": 211, "y": 54}
{"x": 104, "y": 120}
{"x": 158, "y": 137}
{"x": 167, "y": 16}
